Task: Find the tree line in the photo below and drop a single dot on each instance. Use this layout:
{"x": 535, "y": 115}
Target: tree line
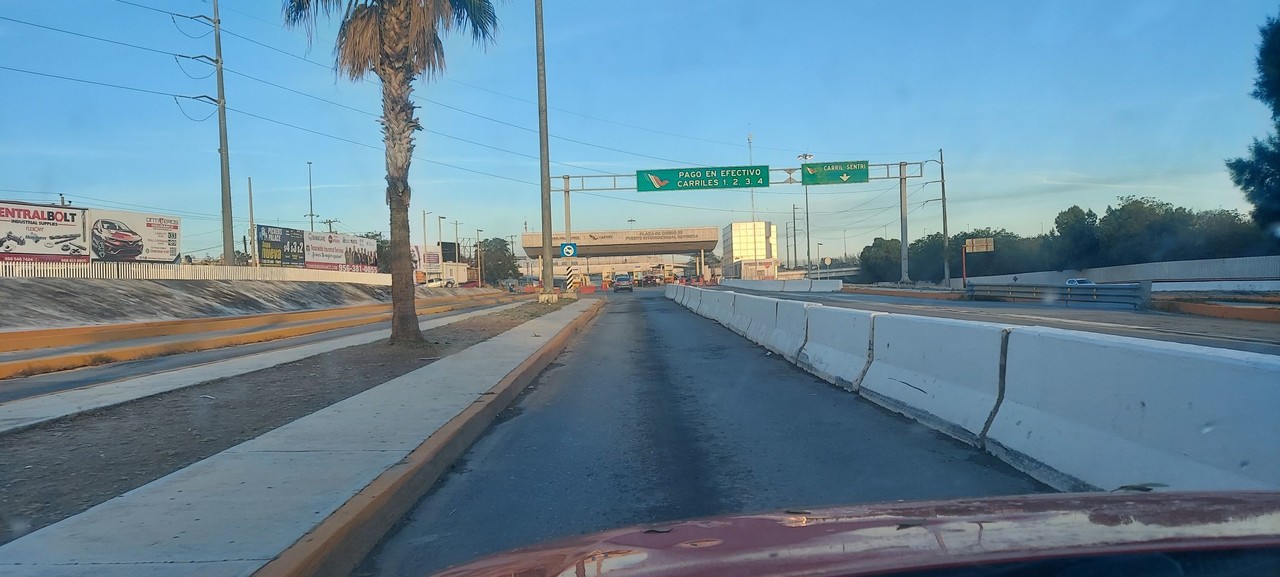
{"x": 1136, "y": 230}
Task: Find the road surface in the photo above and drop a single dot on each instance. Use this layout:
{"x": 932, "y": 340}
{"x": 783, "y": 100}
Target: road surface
{"x": 1253, "y": 336}
{"x": 656, "y": 414}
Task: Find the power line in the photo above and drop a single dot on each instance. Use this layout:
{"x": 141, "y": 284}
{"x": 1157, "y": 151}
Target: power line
{"x": 90, "y": 37}
{"x": 96, "y": 83}
{"x": 150, "y": 8}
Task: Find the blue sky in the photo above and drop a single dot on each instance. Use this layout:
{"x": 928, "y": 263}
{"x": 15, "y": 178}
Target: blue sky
{"x": 1038, "y": 105}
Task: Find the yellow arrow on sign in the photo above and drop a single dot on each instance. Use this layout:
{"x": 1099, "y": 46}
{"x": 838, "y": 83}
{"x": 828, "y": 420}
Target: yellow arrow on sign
{"x": 844, "y": 177}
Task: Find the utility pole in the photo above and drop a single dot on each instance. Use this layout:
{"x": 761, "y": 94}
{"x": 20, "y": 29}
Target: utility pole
{"x": 330, "y": 222}
{"x": 228, "y": 234}
{"x": 440, "y": 234}
{"x": 479, "y": 261}
{"x": 795, "y": 237}
{"x": 568, "y": 226}
{"x": 946, "y": 238}
{"x": 750, "y": 160}
{"x": 62, "y": 200}
{"x": 808, "y": 236}
{"x": 902, "y": 211}
{"x": 544, "y": 153}
{"x": 457, "y": 248}
{"x": 253, "y": 230}
{"x": 311, "y": 206}
{"x": 424, "y": 233}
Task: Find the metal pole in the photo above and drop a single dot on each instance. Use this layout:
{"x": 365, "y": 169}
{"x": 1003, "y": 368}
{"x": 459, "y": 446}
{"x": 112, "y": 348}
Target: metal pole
{"x": 479, "y": 261}
{"x": 808, "y": 229}
{"x": 902, "y": 211}
{"x": 751, "y": 160}
{"x": 440, "y": 235}
{"x": 544, "y": 153}
{"x": 228, "y": 234}
{"x": 846, "y": 247}
{"x": 253, "y": 230}
{"x": 795, "y": 238}
{"x": 568, "y": 227}
{"x": 424, "y": 236}
{"x": 946, "y": 237}
{"x": 457, "y": 248}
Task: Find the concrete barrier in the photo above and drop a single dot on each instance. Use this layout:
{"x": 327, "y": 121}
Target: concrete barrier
{"x": 718, "y": 306}
{"x": 693, "y": 299}
{"x": 754, "y": 317}
{"x": 797, "y": 285}
{"x": 791, "y": 329}
{"x": 1084, "y": 410}
{"x": 826, "y": 286}
{"x": 837, "y": 347}
{"x": 943, "y": 372}
{"x": 669, "y": 291}
{"x": 770, "y": 285}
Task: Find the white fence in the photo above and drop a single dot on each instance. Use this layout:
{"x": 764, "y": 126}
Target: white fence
{"x": 159, "y": 271}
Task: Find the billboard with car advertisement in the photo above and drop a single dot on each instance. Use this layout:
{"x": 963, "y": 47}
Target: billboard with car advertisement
{"x": 280, "y": 247}
{"x": 117, "y": 235}
{"x": 42, "y": 233}
{"x": 331, "y": 251}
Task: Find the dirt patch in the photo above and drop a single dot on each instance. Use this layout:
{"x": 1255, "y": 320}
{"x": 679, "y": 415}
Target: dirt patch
{"x": 64, "y": 467}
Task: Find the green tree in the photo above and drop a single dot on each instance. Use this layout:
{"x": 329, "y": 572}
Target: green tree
{"x": 881, "y": 261}
{"x": 924, "y": 258}
{"x": 1258, "y": 174}
{"x": 1074, "y": 240}
{"x": 497, "y": 260}
{"x": 398, "y": 41}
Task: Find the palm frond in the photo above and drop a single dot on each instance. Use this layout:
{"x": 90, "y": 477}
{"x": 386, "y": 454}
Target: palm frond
{"x": 359, "y": 42}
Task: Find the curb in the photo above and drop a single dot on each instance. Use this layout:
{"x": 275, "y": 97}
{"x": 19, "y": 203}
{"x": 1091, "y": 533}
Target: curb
{"x": 1259, "y": 314}
{"x": 340, "y": 542}
{"x": 40, "y": 365}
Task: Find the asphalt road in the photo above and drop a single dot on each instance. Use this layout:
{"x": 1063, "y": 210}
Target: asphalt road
{"x": 1253, "y": 336}
{"x": 25, "y": 387}
{"x": 656, "y": 414}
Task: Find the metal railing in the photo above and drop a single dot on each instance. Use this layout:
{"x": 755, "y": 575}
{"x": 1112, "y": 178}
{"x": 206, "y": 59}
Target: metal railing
{"x": 1137, "y": 295}
{"x": 161, "y": 271}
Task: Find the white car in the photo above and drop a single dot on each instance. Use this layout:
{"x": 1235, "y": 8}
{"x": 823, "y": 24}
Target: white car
{"x": 1080, "y": 282}
{"x": 441, "y": 283}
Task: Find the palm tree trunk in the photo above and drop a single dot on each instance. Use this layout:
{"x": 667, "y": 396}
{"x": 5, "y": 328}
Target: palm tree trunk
{"x": 398, "y": 126}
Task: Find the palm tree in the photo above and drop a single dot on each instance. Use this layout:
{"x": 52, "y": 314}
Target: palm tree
{"x": 397, "y": 40}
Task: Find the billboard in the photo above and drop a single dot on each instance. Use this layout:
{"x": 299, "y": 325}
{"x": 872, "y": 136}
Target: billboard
{"x": 331, "y": 251}
{"x": 426, "y": 260}
{"x": 280, "y": 247}
{"x": 117, "y": 235}
{"x": 41, "y": 233}
{"x": 450, "y": 250}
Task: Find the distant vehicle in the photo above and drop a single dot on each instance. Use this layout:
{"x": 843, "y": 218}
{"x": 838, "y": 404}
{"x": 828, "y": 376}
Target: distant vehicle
{"x": 649, "y": 280}
{"x": 435, "y": 283}
{"x": 1080, "y": 282}
{"x": 112, "y": 240}
{"x": 470, "y": 284}
{"x": 623, "y": 283}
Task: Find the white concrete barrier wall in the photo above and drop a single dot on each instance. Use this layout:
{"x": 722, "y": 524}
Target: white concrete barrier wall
{"x": 797, "y": 285}
{"x": 717, "y": 305}
{"x": 769, "y": 285}
{"x": 693, "y": 299}
{"x": 1112, "y": 411}
{"x": 791, "y": 329}
{"x": 826, "y": 286}
{"x": 762, "y": 313}
{"x": 838, "y": 344}
{"x": 740, "y": 317}
{"x": 669, "y": 291}
{"x": 944, "y": 372}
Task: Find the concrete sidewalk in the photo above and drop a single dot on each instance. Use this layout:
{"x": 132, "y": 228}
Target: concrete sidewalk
{"x": 26, "y": 413}
{"x": 232, "y": 513}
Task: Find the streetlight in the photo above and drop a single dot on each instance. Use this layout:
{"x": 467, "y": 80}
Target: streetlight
{"x": 440, "y": 235}
{"x": 819, "y": 260}
{"x": 803, "y": 158}
{"x": 946, "y": 239}
{"x": 311, "y": 206}
{"x": 633, "y": 223}
{"x": 479, "y": 265}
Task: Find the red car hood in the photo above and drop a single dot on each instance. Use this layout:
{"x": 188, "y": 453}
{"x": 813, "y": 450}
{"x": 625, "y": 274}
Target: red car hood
{"x": 871, "y": 539}
{"x": 124, "y": 236}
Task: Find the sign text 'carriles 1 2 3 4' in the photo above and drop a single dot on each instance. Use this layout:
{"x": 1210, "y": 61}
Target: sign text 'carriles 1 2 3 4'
{"x": 695, "y": 178}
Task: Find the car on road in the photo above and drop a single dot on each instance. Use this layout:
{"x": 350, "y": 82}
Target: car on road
{"x": 440, "y": 283}
{"x": 649, "y": 280}
{"x": 623, "y": 283}
{"x": 113, "y": 240}
{"x": 1080, "y": 282}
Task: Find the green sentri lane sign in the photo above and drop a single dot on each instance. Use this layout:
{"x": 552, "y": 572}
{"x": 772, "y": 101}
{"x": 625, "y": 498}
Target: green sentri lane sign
{"x": 848, "y": 171}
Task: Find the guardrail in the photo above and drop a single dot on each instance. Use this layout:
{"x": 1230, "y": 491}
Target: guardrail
{"x": 1137, "y": 295}
{"x": 163, "y": 271}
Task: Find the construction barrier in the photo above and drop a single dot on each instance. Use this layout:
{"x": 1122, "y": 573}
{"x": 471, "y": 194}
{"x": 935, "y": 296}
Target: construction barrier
{"x": 1107, "y": 411}
{"x": 669, "y": 291}
{"x": 837, "y": 347}
{"x": 942, "y": 372}
{"x": 797, "y": 285}
{"x": 717, "y": 305}
{"x": 693, "y": 299}
{"x": 791, "y": 329}
{"x": 826, "y": 286}
{"x": 760, "y": 314}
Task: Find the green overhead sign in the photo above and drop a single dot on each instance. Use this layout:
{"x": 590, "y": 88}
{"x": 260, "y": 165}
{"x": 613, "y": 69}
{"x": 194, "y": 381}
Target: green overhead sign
{"x": 848, "y": 171}
{"x": 695, "y": 178}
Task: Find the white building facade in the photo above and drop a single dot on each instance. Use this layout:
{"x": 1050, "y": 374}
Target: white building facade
{"x": 750, "y": 250}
